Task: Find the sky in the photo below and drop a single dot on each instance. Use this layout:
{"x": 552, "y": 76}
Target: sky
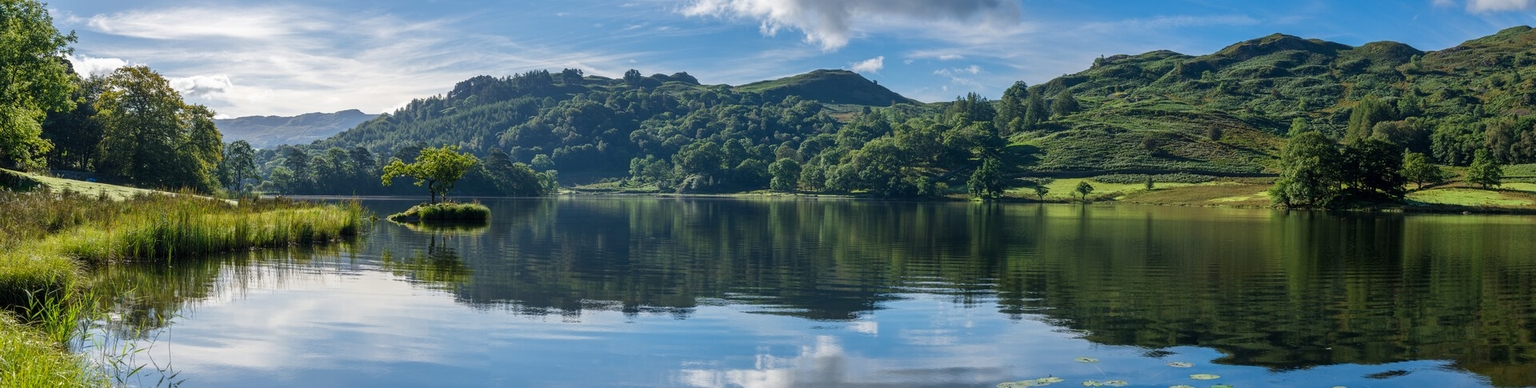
{"x": 274, "y": 57}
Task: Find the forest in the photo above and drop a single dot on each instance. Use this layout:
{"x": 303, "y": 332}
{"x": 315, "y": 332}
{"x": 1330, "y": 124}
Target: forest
{"x": 1226, "y": 114}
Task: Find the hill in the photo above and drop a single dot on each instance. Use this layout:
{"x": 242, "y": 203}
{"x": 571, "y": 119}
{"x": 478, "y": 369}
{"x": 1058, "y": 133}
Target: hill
{"x": 1226, "y": 113}
{"x": 273, "y": 131}
{"x": 828, "y": 87}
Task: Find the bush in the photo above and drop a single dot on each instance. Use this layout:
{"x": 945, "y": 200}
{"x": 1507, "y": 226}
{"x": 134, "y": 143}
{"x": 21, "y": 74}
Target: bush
{"x": 444, "y": 212}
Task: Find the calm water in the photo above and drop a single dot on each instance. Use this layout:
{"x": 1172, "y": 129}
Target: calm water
{"x": 591, "y": 291}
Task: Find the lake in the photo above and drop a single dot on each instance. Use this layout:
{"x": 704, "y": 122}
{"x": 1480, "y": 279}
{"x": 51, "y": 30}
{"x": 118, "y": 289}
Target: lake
{"x": 700, "y": 292}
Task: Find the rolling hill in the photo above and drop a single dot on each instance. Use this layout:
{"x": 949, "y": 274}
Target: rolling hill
{"x": 1224, "y": 113}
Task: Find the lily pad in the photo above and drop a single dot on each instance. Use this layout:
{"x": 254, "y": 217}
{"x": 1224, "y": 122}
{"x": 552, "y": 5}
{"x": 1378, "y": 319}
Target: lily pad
{"x": 1182, "y": 386}
{"x": 1181, "y": 364}
{"x": 1091, "y": 383}
{"x": 1204, "y": 376}
{"x": 1087, "y": 360}
{"x": 1043, "y": 381}
{"x": 1221, "y": 386}
{"x": 1116, "y": 383}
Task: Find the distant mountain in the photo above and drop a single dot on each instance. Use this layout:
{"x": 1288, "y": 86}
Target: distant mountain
{"x": 828, "y": 87}
{"x": 273, "y": 131}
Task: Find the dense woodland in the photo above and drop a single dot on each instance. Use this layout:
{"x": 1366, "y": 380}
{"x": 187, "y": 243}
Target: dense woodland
{"x": 1229, "y": 113}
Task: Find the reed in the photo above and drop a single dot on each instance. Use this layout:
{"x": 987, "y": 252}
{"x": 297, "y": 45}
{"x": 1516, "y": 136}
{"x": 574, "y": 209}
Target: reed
{"x": 46, "y": 237}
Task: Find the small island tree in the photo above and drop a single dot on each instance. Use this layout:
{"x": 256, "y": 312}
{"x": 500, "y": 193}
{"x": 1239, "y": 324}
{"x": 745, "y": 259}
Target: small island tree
{"x": 436, "y": 168}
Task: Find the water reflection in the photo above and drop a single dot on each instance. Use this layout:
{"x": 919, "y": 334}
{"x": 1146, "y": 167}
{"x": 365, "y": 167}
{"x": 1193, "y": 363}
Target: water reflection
{"x": 1289, "y": 293}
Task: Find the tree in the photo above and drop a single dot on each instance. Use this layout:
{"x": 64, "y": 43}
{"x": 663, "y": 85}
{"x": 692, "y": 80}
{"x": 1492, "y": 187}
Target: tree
{"x": 1418, "y": 169}
{"x": 1065, "y": 104}
{"x": 1371, "y": 167}
{"x": 76, "y": 134}
{"x": 1484, "y": 171}
{"x": 151, "y": 137}
{"x": 987, "y": 181}
{"x": 1010, "y": 110}
{"x": 1041, "y": 190}
{"x": 1083, "y": 189}
{"x": 786, "y": 174}
{"x": 1309, "y": 175}
{"x": 34, "y": 79}
{"x": 436, "y": 168}
{"x": 239, "y": 164}
{"x": 1365, "y": 115}
{"x": 1035, "y": 110}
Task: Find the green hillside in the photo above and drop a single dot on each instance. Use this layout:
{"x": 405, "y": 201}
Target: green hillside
{"x": 828, "y": 87}
{"x": 1226, "y": 113}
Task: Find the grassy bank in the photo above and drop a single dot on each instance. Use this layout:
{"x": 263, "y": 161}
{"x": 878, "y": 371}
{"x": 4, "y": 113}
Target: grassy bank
{"x": 444, "y": 212}
{"x": 48, "y": 237}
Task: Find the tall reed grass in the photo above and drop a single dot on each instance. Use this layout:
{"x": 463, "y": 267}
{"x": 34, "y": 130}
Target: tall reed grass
{"x": 47, "y": 238}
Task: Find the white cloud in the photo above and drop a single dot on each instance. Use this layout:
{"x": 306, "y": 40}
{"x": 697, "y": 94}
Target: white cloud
{"x": 294, "y": 60}
{"x": 205, "y": 86}
{"x": 832, "y": 23}
{"x": 950, "y": 57}
{"x": 88, "y": 66}
{"x": 872, "y": 65}
{"x": 197, "y": 23}
{"x": 1497, "y": 5}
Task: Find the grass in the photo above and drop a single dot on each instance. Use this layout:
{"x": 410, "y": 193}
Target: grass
{"x": 1470, "y": 197}
{"x": 46, "y": 237}
{"x": 28, "y": 358}
{"x": 92, "y": 189}
{"x": 444, "y": 212}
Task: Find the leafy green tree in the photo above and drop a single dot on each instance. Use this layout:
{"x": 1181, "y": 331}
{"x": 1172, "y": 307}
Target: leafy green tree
{"x": 239, "y": 164}
{"x": 1418, "y": 169}
{"x": 1035, "y": 110}
{"x": 1010, "y": 109}
{"x": 1309, "y": 172}
{"x": 1083, "y": 189}
{"x": 1485, "y": 171}
{"x": 151, "y": 137}
{"x": 1373, "y": 167}
{"x": 76, "y": 133}
{"x": 34, "y": 79}
{"x": 987, "y": 181}
{"x": 436, "y": 168}
{"x": 786, "y": 174}
{"x": 1065, "y": 104}
{"x": 1041, "y": 190}
{"x": 1363, "y": 118}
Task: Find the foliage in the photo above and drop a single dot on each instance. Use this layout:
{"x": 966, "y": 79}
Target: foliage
{"x": 1484, "y": 171}
{"x": 1041, "y": 190}
{"x": 1372, "y": 167}
{"x": 786, "y": 174}
{"x": 444, "y": 212}
{"x": 152, "y": 138}
{"x": 239, "y": 164}
{"x": 1083, "y": 189}
{"x": 1418, "y": 169}
{"x": 987, "y": 181}
{"x": 438, "y": 169}
{"x": 34, "y": 80}
{"x": 1309, "y": 172}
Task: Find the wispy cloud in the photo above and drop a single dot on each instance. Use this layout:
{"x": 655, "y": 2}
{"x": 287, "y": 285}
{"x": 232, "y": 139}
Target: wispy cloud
{"x": 830, "y": 24}
{"x": 291, "y": 60}
{"x": 1497, "y": 5}
{"x": 872, "y": 65}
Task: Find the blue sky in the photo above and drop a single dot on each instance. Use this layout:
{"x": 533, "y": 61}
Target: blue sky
{"x": 252, "y": 57}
